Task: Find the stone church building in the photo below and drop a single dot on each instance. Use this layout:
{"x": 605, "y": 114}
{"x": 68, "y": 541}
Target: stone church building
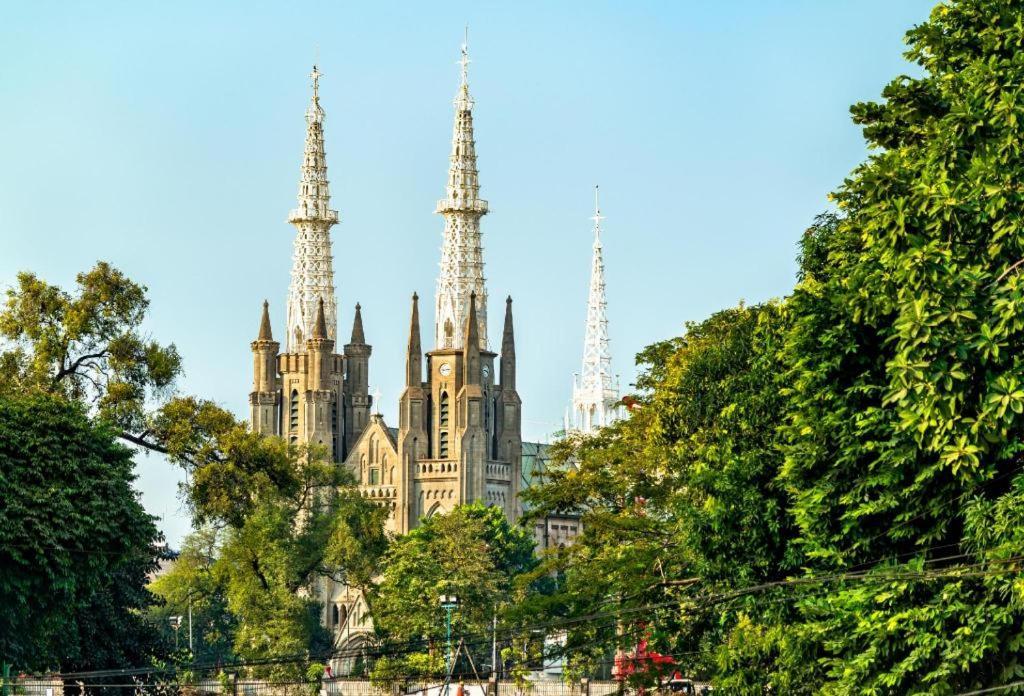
{"x": 458, "y": 437}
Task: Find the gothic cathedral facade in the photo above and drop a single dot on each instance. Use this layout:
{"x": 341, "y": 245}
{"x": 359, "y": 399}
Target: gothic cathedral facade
{"x": 459, "y": 437}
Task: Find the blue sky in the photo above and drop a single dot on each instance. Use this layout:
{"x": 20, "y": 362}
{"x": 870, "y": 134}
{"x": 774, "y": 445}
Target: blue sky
{"x": 166, "y": 138}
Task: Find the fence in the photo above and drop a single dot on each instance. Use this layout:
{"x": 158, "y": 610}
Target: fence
{"x": 325, "y": 687}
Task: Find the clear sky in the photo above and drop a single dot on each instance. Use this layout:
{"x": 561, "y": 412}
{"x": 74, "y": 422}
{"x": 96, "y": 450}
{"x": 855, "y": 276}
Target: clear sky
{"x": 166, "y": 138}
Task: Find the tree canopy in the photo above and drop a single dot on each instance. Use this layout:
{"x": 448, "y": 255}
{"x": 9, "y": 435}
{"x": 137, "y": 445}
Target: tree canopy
{"x": 88, "y": 346}
{"x": 76, "y": 546}
{"x": 472, "y": 553}
{"x": 829, "y": 490}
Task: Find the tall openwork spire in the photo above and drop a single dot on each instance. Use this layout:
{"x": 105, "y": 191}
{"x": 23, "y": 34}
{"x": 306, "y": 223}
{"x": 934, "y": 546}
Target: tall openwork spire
{"x": 462, "y": 262}
{"x": 312, "y": 263}
{"x": 594, "y": 394}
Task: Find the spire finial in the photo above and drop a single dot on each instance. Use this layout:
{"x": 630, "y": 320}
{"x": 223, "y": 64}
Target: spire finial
{"x": 464, "y": 61}
{"x": 315, "y": 76}
{"x": 597, "y": 217}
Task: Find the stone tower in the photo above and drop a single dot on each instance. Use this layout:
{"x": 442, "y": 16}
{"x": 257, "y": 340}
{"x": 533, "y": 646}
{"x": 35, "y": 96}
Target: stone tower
{"x": 595, "y": 396}
{"x": 310, "y": 393}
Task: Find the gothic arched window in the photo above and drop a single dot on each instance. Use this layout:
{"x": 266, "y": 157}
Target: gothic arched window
{"x": 293, "y": 422}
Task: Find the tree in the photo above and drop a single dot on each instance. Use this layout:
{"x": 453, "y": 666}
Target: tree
{"x": 903, "y": 441}
{"x": 75, "y": 543}
{"x": 678, "y": 503}
{"x": 88, "y": 347}
{"x": 472, "y": 553}
{"x": 192, "y": 586}
{"x": 292, "y": 518}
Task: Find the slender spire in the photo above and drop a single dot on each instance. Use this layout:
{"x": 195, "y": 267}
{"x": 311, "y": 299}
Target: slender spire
{"x": 508, "y": 350}
{"x": 358, "y": 338}
{"x": 414, "y": 357}
{"x": 594, "y": 395}
{"x": 312, "y": 262}
{"x": 265, "y": 333}
{"x": 471, "y": 345}
{"x": 508, "y": 339}
{"x": 462, "y": 264}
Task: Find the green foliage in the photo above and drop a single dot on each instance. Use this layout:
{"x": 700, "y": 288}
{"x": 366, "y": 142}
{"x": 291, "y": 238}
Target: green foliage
{"x": 193, "y": 583}
{"x": 75, "y": 543}
{"x": 683, "y": 490}
{"x": 291, "y": 518}
{"x": 905, "y": 416}
{"x": 88, "y": 346}
{"x": 874, "y": 423}
{"x": 471, "y": 552}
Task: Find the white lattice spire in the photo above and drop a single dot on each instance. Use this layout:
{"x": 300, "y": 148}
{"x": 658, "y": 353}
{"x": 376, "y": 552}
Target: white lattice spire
{"x": 462, "y": 262}
{"x": 312, "y": 263}
{"x": 594, "y": 394}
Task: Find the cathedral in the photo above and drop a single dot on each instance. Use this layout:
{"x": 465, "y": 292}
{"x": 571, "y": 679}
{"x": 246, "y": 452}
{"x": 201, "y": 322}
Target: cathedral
{"x": 459, "y": 427}
{"x": 459, "y": 433}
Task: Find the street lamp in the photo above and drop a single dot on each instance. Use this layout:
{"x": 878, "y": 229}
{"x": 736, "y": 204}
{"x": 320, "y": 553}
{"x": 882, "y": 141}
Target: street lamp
{"x": 176, "y": 625}
{"x": 449, "y": 603}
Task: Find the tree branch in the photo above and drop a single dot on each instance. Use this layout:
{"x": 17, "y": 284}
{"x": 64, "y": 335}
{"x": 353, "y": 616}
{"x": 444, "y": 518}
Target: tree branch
{"x": 73, "y": 367}
{"x": 141, "y": 441}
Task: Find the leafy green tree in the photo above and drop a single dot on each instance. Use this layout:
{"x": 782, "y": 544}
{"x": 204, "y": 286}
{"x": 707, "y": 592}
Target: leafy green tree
{"x": 291, "y": 519}
{"x": 88, "y": 346}
{"x": 472, "y": 553}
{"x": 75, "y": 543}
{"x": 903, "y": 446}
{"x": 191, "y": 585}
{"x": 679, "y": 501}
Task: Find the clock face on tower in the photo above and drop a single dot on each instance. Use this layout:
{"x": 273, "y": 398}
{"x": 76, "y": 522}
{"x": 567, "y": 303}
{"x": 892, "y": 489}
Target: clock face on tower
{"x": 486, "y": 371}
{"x": 445, "y": 369}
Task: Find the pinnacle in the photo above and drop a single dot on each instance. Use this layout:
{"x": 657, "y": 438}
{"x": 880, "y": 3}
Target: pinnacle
{"x": 472, "y": 329}
{"x": 320, "y": 325}
{"x": 265, "y": 333}
{"x": 357, "y": 327}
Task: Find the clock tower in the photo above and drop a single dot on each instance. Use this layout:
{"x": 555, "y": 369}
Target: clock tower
{"x": 459, "y": 436}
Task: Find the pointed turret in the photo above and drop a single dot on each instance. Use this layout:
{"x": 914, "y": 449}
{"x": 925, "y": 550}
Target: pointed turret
{"x": 414, "y": 357}
{"x": 263, "y": 398}
{"x": 358, "y": 338}
{"x": 357, "y": 382}
{"x": 508, "y": 350}
{"x": 462, "y": 264}
{"x": 312, "y": 262}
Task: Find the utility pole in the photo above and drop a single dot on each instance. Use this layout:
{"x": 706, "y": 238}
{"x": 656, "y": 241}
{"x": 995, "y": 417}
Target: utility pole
{"x": 449, "y": 603}
{"x": 190, "y": 649}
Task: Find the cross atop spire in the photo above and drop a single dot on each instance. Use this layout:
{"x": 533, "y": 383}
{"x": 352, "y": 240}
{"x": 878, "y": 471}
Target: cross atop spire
{"x": 465, "y": 61}
{"x": 597, "y": 216}
{"x": 463, "y": 102}
{"x": 315, "y": 76}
